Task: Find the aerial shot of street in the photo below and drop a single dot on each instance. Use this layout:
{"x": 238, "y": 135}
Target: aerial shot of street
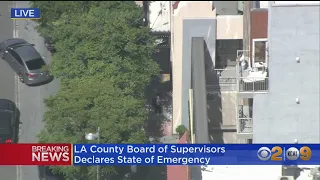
{"x": 29, "y": 100}
{"x": 113, "y": 73}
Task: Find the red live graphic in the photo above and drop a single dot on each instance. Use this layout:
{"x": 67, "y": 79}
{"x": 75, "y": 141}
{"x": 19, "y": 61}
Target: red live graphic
{"x": 35, "y": 154}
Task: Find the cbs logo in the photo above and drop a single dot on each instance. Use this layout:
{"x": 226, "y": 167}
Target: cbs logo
{"x": 276, "y": 153}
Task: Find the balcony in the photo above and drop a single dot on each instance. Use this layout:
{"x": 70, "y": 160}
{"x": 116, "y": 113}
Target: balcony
{"x": 245, "y": 123}
{"x": 253, "y": 84}
{"x": 252, "y": 78}
{"x": 245, "y": 126}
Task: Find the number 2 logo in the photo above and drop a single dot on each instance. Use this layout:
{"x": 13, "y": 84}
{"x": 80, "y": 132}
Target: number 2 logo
{"x": 276, "y": 153}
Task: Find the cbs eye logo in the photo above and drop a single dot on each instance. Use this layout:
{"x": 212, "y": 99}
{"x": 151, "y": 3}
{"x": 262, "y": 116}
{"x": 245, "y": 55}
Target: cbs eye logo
{"x": 276, "y": 153}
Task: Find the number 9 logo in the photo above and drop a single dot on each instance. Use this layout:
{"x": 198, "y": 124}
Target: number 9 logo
{"x": 305, "y": 153}
{"x": 264, "y": 153}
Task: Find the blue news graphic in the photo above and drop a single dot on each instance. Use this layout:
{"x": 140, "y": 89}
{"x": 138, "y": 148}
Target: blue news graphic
{"x": 196, "y": 154}
{"x": 25, "y": 13}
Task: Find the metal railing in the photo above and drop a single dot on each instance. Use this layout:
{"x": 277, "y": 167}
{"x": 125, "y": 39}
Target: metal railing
{"x": 245, "y": 126}
{"x": 222, "y": 80}
{"x": 253, "y": 84}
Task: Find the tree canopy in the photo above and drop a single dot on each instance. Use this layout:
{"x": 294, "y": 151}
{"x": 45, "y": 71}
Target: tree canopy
{"x": 103, "y": 59}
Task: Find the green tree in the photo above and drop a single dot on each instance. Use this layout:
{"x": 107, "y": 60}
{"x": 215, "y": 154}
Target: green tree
{"x": 104, "y": 62}
{"x": 109, "y": 38}
{"x": 181, "y": 129}
{"x": 82, "y": 106}
{"x": 53, "y": 10}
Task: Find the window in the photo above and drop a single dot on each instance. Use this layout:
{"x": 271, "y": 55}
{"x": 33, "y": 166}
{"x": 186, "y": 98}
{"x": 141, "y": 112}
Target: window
{"x": 35, "y": 64}
{"x": 5, "y": 123}
{"x": 16, "y": 56}
{"x": 260, "y": 52}
{"x": 226, "y": 52}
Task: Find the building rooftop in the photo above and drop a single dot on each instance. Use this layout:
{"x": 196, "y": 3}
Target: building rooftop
{"x": 253, "y": 172}
{"x": 264, "y": 4}
{"x": 241, "y": 172}
{"x": 159, "y": 16}
{"x": 295, "y": 3}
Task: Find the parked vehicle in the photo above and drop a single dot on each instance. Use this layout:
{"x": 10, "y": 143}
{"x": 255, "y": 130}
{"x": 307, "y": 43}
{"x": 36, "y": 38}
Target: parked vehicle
{"x": 25, "y": 61}
{"x": 8, "y": 121}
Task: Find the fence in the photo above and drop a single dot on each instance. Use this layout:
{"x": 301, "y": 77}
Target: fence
{"x": 245, "y": 125}
{"x": 253, "y": 84}
{"x": 222, "y": 80}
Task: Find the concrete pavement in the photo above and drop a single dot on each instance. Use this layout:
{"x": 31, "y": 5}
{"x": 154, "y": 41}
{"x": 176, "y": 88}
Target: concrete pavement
{"x": 7, "y": 77}
{"x": 28, "y": 99}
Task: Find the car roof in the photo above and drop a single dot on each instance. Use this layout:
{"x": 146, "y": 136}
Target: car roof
{"x": 12, "y": 42}
{"x": 5, "y": 122}
{"x": 7, "y": 105}
{"x": 27, "y": 52}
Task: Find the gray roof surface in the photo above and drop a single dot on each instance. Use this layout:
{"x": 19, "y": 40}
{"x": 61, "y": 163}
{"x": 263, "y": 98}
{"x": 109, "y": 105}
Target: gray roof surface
{"x": 27, "y": 53}
{"x": 6, "y": 104}
{"x": 12, "y": 41}
{"x": 293, "y": 32}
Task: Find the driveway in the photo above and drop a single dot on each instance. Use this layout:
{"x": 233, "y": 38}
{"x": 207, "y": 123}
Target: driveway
{"x": 29, "y": 100}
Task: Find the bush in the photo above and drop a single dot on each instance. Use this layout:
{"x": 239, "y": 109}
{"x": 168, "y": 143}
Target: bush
{"x": 181, "y": 129}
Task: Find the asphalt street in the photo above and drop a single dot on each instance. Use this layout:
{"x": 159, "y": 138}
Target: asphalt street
{"x": 7, "y": 77}
{"x": 29, "y": 100}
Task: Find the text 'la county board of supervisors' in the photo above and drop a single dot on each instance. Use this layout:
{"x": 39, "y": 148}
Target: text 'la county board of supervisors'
{"x": 150, "y": 149}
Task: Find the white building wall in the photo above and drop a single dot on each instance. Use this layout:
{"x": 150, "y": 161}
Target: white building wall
{"x": 159, "y": 16}
{"x": 230, "y": 27}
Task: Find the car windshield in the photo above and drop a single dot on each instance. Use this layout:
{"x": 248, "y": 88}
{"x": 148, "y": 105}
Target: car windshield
{"x": 5, "y": 123}
{"x": 35, "y": 64}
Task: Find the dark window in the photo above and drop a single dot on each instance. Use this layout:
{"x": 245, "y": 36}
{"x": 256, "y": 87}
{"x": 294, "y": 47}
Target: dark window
{"x": 249, "y": 141}
{"x": 226, "y": 52}
{"x": 5, "y": 123}
{"x": 16, "y": 56}
{"x": 35, "y": 64}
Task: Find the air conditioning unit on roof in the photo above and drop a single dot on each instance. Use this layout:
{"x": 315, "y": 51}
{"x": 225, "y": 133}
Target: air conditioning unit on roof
{"x": 286, "y": 178}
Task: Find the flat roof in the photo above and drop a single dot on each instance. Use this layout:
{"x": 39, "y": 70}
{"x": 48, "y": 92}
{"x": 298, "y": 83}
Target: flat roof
{"x": 242, "y": 172}
{"x": 295, "y": 3}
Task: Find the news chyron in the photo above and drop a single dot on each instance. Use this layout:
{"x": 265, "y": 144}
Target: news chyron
{"x": 25, "y": 13}
{"x": 278, "y": 153}
{"x": 52, "y": 154}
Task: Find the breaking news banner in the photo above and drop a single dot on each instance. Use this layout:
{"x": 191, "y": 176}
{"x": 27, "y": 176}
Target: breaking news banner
{"x": 159, "y": 154}
{"x": 196, "y": 154}
{"x": 35, "y": 154}
{"x": 25, "y": 13}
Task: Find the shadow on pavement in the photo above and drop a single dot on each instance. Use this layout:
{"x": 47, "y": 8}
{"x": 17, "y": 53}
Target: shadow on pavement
{"x": 16, "y": 130}
{"x": 156, "y": 123}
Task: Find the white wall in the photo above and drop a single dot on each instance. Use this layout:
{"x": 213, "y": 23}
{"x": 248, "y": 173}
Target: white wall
{"x": 230, "y": 27}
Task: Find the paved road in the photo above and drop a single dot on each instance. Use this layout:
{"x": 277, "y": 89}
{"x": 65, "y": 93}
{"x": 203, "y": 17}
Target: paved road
{"x": 29, "y": 99}
{"x": 7, "y": 78}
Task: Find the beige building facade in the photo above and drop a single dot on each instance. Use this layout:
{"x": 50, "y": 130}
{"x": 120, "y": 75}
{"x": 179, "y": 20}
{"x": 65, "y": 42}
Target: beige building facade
{"x": 185, "y": 10}
{"x": 228, "y": 27}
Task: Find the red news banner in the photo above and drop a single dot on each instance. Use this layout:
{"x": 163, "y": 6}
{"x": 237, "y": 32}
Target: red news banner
{"x": 35, "y": 154}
